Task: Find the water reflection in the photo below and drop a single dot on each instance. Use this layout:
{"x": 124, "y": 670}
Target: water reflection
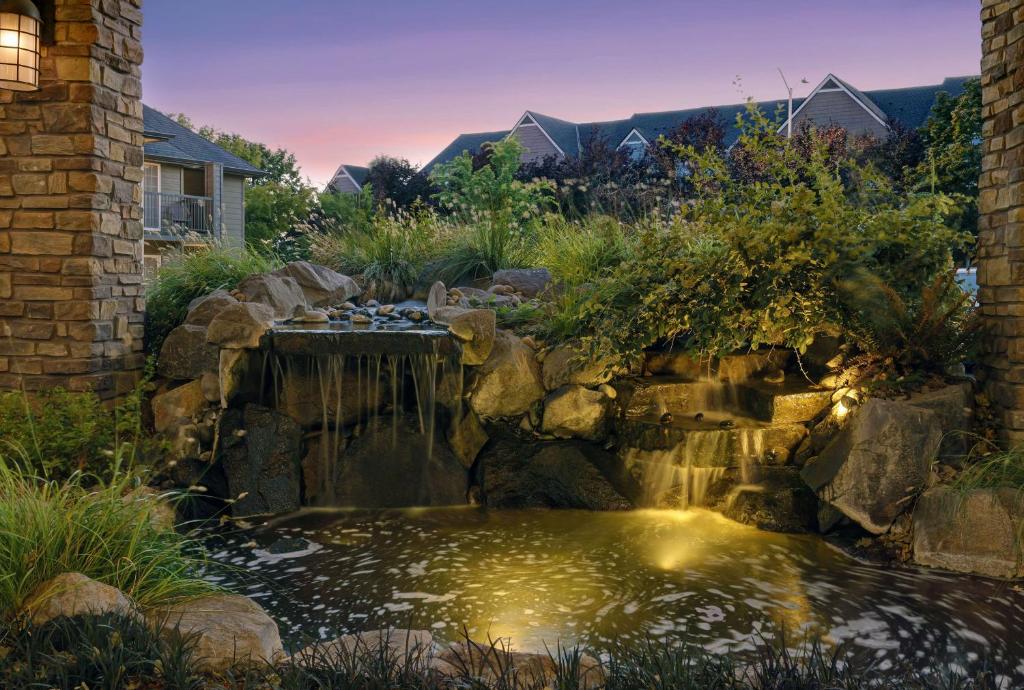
{"x": 607, "y": 578}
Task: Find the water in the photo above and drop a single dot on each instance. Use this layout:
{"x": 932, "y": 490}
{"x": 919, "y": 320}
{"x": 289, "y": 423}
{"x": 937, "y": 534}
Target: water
{"x": 608, "y": 578}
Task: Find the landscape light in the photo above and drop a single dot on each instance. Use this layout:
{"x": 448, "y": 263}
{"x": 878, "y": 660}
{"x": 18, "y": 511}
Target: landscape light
{"x": 20, "y": 28}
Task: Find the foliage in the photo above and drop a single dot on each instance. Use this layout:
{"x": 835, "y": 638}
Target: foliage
{"x": 396, "y": 182}
{"x": 188, "y": 273}
{"x": 578, "y": 252}
{"x": 914, "y": 333}
{"x": 109, "y": 533}
{"x": 498, "y": 212}
{"x": 989, "y": 466}
{"x": 754, "y": 259}
{"x": 348, "y": 212}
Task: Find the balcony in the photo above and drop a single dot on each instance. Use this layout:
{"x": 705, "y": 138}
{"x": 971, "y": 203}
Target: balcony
{"x": 172, "y": 216}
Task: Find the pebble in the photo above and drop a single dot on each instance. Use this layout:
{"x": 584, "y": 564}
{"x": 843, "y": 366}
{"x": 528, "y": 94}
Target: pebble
{"x": 386, "y": 309}
{"x": 361, "y": 318}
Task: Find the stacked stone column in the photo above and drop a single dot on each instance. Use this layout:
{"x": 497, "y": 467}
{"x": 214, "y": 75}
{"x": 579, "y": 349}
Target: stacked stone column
{"x": 71, "y": 154}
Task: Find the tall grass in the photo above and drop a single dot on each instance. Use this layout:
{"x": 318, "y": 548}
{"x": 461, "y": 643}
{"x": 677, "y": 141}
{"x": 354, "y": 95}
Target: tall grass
{"x": 108, "y": 533}
{"x": 579, "y": 252}
{"x": 481, "y": 247}
{"x": 192, "y": 272}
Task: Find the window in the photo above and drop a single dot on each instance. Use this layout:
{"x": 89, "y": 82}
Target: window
{"x": 151, "y": 196}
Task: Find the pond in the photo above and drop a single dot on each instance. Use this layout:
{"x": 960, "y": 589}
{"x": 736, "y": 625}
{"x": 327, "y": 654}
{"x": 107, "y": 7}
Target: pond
{"x": 601, "y": 579}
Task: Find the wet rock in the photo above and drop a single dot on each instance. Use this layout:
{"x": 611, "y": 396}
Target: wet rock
{"x": 210, "y": 385}
{"x": 361, "y": 319}
{"x": 263, "y": 464}
{"x": 414, "y": 647}
{"x": 562, "y": 474}
{"x": 778, "y": 501}
{"x": 320, "y": 285}
{"x": 873, "y": 467}
{"x": 679, "y": 364}
{"x": 466, "y": 436}
{"x": 301, "y": 399}
{"x": 240, "y": 326}
{"x": 529, "y": 282}
{"x": 392, "y": 465}
{"x": 566, "y": 364}
{"x": 227, "y": 629}
{"x": 978, "y": 532}
{"x": 509, "y": 382}
{"x": 785, "y": 404}
{"x": 306, "y": 315}
{"x": 474, "y": 328}
{"x": 437, "y": 298}
{"x": 576, "y": 412}
{"x": 186, "y": 355}
{"x": 238, "y": 376}
{"x": 281, "y": 294}
{"x": 954, "y": 406}
{"x": 74, "y": 594}
{"x": 177, "y": 405}
{"x": 202, "y": 310}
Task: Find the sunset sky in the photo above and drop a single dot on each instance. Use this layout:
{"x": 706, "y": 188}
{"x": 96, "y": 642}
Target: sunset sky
{"x": 341, "y": 81}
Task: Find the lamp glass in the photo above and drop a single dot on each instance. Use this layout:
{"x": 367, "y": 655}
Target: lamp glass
{"x": 19, "y": 52}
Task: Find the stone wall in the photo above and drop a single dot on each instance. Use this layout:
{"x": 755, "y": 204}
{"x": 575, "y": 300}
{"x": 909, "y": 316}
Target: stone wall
{"x": 71, "y": 302}
{"x": 1001, "y": 226}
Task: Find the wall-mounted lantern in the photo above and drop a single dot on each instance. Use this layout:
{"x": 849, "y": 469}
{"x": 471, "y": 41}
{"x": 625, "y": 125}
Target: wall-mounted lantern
{"x": 20, "y": 33}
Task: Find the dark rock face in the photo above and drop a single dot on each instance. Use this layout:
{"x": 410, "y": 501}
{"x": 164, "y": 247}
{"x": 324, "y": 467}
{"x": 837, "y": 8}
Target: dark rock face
{"x": 261, "y": 455}
{"x": 529, "y": 282}
{"x": 185, "y": 354}
{"x": 779, "y": 502}
{"x": 517, "y": 474}
{"x": 388, "y": 466}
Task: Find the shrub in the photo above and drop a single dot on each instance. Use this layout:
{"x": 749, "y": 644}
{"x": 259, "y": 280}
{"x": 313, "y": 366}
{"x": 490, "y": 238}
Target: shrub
{"x": 578, "y": 252}
{"x": 191, "y": 272}
{"x": 109, "y": 533}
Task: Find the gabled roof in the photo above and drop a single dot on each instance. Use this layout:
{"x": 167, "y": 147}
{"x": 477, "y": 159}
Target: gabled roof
{"x": 177, "y": 144}
{"x": 909, "y": 106}
{"x": 356, "y": 173}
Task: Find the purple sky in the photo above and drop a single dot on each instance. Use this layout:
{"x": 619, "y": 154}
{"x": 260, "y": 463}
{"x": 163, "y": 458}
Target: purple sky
{"x": 341, "y": 81}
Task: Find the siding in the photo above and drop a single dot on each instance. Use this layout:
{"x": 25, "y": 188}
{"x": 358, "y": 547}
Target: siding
{"x": 170, "y": 179}
{"x": 234, "y": 209}
{"x": 344, "y": 185}
{"x": 536, "y": 142}
{"x": 838, "y": 107}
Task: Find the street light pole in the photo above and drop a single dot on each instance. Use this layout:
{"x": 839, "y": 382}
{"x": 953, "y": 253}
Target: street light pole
{"x": 789, "y": 120}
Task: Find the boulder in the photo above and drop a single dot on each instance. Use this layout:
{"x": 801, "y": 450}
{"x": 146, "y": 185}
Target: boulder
{"x": 281, "y": 294}
{"x": 874, "y": 467}
{"x": 261, "y": 452}
{"x": 240, "y": 325}
{"x": 977, "y": 532}
{"x": 529, "y": 282}
{"x": 185, "y": 354}
{"x": 238, "y": 376}
{"x": 474, "y": 328}
{"x": 202, "y": 310}
{"x": 227, "y": 629}
{"x": 680, "y": 364}
{"x": 509, "y": 382}
{"x": 321, "y": 286}
{"x": 178, "y": 404}
{"x": 566, "y": 364}
{"x": 302, "y": 398}
{"x": 74, "y": 594}
{"x": 437, "y": 298}
{"x": 401, "y": 646}
{"x": 576, "y": 412}
{"x": 778, "y": 502}
{"x": 563, "y": 474}
{"x": 954, "y": 406}
{"x": 466, "y": 436}
{"x": 392, "y": 465}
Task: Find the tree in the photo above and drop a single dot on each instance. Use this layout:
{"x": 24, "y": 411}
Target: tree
{"x": 397, "y": 181}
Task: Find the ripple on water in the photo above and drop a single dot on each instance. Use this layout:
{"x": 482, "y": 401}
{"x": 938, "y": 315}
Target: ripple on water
{"x": 603, "y": 579}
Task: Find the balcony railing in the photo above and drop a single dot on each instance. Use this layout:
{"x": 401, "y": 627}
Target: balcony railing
{"x": 177, "y": 214}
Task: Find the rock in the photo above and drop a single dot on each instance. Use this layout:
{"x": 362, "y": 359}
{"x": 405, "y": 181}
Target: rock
{"x": 401, "y": 646}
{"x": 210, "y": 385}
{"x": 227, "y": 629}
{"x": 437, "y": 298}
{"x": 779, "y": 501}
{"x": 576, "y": 412}
{"x": 978, "y": 532}
{"x": 475, "y": 328}
{"x": 529, "y": 282}
{"x": 568, "y": 365}
{"x": 306, "y": 315}
{"x": 178, "y": 404}
{"x": 493, "y": 665}
{"x": 562, "y": 474}
{"x": 74, "y": 594}
{"x": 302, "y": 399}
{"x": 608, "y": 391}
{"x": 320, "y": 285}
{"x": 679, "y": 364}
{"x": 742, "y": 367}
{"x": 202, "y": 310}
{"x": 874, "y": 467}
{"x": 263, "y": 464}
{"x": 238, "y": 376}
{"x": 361, "y": 319}
{"x": 394, "y": 467}
{"x": 954, "y": 406}
{"x": 240, "y": 326}
{"x": 509, "y": 382}
{"x": 475, "y": 297}
{"x": 466, "y": 436}
{"x": 385, "y": 309}
{"x": 281, "y": 294}
{"x": 186, "y": 355}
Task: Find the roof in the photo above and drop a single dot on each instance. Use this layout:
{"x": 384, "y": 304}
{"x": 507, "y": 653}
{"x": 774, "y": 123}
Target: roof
{"x": 177, "y": 144}
{"x": 358, "y": 173}
{"x": 909, "y": 106}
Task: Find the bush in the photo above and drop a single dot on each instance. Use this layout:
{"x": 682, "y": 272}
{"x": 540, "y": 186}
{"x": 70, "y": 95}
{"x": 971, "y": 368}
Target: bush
{"x": 578, "y": 252}
{"x": 109, "y": 533}
{"x": 191, "y": 272}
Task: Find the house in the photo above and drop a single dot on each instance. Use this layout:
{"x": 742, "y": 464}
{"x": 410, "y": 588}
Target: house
{"x": 193, "y": 190}
{"x": 349, "y": 179}
{"x": 833, "y": 101}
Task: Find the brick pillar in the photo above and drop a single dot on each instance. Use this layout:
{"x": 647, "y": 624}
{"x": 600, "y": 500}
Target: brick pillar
{"x": 71, "y": 302}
